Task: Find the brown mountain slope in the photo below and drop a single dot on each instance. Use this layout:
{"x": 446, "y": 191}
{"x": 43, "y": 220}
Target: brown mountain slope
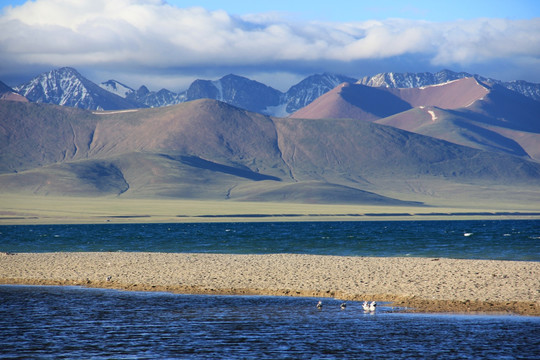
{"x": 209, "y": 150}
{"x": 465, "y": 112}
{"x": 205, "y": 128}
{"x": 451, "y": 95}
{"x": 7, "y": 93}
{"x": 356, "y": 101}
{"x": 506, "y": 109}
{"x": 33, "y": 135}
{"x": 502, "y": 121}
{"x": 353, "y": 101}
{"x": 455, "y": 127}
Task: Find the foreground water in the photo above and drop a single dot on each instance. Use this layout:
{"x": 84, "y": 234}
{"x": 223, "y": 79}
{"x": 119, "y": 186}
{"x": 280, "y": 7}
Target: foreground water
{"x": 71, "y": 322}
{"x": 477, "y": 239}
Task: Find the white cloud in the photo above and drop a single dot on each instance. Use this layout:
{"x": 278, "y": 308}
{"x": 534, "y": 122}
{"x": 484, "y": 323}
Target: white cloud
{"x": 139, "y": 34}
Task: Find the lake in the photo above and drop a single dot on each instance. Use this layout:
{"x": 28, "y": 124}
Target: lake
{"x": 72, "y": 322}
{"x": 475, "y": 239}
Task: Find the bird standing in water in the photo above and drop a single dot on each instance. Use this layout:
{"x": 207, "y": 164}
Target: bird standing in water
{"x": 365, "y": 306}
{"x": 319, "y": 305}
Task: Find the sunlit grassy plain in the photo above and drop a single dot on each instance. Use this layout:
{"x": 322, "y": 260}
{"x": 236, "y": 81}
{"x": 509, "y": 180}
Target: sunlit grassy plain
{"x": 22, "y": 209}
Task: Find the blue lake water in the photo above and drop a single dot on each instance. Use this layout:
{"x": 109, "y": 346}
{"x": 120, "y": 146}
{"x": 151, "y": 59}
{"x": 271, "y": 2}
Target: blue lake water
{"x": 72, "y": 322}
{"x": 476, "y": 239}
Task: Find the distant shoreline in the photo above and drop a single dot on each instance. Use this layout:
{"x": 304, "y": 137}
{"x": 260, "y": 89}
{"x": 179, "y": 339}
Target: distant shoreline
{"x": 431, "y": 285}
{"x": 438, "y": 214}
{"x": 37, "y": 220}
{"x": 29, "y": 209}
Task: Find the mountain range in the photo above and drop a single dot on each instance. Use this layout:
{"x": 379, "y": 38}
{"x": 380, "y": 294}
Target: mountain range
{"x": 416, "y": 80}
{"x": 467, "y": 139}
{"x": 67, "y": 87}
{"x": 465, "y": 111}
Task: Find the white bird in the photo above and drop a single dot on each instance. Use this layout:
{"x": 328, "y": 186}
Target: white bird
{"x": 365, "y": 306}
{"x": 343, "y": 306}
{"x": 319, "y": 305}
{"x": 372, "y": 306}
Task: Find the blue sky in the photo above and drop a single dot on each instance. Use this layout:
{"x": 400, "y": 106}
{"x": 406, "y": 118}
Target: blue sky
{"x": 346, "y": 10}
{"x": 170, "y": 44}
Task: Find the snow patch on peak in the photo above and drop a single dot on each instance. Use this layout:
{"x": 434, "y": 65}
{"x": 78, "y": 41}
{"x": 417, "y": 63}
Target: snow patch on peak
{"x": 117, "y": 88}
{"x": 441, "y": 84}
{"x": 219, "y": 86}
{"x": 433, "y": 115}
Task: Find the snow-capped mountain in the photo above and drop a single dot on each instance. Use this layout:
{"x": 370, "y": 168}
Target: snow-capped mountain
{"x": 309, "y": 89}
{"x": 153, "y": 99}
{"x": 65, "y": 86}
{"x": 525, "y": 88}
{"x": 143, "y": 95}
{"x": 116, "y": 87}
{"x": 411, "y": 80}
{"x": 255, "y": 96}
{"x": 415, "y": 80}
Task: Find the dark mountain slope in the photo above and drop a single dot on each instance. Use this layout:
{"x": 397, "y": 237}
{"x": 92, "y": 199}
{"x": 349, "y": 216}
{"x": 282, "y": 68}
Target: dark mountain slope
{"x": 235, "y": 90}
{"x": 357, "y": 151}
{"x": 507, "y": 109}
{"x": 455, "y": 127}
{"x": 86, "y": 178}
{"x": 314, "y": 192}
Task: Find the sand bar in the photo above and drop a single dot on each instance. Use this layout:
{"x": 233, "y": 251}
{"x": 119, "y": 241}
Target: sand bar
{"x": 423, "y": 284}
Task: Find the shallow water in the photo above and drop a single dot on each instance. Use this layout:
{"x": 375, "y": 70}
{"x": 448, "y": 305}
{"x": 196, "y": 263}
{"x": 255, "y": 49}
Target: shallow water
{"x": 476, "y": 239}
{"x": 72, "y": 322}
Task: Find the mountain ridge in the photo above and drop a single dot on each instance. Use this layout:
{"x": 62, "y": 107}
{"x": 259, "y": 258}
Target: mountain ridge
{"x": 412, "y": 80}
{"x": 296, "y": 97}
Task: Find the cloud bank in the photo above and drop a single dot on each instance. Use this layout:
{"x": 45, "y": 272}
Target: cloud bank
{"x": 150, "y": 38}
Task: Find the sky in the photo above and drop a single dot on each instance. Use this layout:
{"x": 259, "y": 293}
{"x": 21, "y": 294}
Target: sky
{"x": 168, "y": 44}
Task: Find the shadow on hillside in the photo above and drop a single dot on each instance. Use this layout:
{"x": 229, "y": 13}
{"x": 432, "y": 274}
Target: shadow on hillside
{"x": 197, "y": 162}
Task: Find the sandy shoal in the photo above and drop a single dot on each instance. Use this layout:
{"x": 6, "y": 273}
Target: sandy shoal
{"x": 423, "y": 284}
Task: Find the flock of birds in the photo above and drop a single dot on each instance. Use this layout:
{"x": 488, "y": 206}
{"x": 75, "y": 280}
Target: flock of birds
{"x": 368, "y": 307}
